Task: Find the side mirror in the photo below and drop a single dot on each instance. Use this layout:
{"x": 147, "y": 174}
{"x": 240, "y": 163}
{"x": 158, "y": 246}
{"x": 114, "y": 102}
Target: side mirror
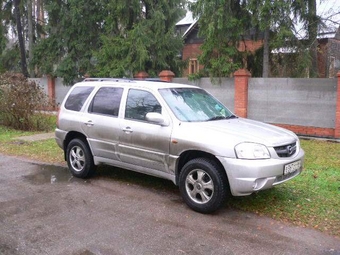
{"x": 156, "y": 118}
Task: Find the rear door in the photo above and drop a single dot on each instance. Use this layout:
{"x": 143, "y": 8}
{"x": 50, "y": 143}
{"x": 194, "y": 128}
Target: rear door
{"x": 101, "y": 123}
{"x": 143, "y": 143}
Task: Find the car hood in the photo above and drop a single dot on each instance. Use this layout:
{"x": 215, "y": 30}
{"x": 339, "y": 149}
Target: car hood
{"x": 239, "y": 130}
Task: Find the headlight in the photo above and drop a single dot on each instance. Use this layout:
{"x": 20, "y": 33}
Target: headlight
{"x": 251, "y": 151}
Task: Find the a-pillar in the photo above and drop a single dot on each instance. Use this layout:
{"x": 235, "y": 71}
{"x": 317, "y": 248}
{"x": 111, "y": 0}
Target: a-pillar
{"x": 337, "y": 111}
{"x": 241, "y": 92}
{"x": 166, "y": 75}
{"x": 51, "y": 90}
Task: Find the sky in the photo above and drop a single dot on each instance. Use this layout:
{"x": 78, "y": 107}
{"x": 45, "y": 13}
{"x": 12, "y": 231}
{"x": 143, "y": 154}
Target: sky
{"x": 326, "y": 9}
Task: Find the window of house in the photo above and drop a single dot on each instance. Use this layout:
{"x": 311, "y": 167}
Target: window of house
{"x": 193, "y": 66}
{"x": 331, "y": 69}
{"x": 106, "y": 101}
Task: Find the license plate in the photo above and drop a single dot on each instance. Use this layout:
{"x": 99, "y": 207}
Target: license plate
{"x": 292, "y": 167}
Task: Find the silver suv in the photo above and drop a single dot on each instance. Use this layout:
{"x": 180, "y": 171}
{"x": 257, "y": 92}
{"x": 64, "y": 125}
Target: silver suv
{"x": 177, "y": 132}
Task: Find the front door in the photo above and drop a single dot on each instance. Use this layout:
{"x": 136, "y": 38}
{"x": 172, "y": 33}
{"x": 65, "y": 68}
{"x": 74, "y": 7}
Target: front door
{"x": 143, "y": 143}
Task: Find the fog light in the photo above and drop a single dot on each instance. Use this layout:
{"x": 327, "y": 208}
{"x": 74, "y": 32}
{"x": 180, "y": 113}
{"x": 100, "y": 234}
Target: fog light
{"x": 259, "y": 183}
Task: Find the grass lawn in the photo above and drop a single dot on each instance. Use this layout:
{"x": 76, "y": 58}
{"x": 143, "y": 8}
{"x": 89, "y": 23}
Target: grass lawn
{"x": 44, "y": 151}
{"x": 310, "y": 200}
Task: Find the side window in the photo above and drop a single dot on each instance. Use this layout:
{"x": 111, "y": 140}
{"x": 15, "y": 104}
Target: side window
{"x": 139, "y": 103}
{"x": 77, "y": 98}
{"x": 106, "y": 101}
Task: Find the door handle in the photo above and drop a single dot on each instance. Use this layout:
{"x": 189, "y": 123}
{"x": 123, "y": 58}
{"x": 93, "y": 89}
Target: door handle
{"x": 89, "y": 123}
{"x": 127, "y": 130}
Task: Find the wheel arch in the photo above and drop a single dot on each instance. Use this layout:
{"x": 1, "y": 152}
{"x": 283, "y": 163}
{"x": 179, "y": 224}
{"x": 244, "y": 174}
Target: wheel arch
{"x": 192, "y": 154}
{"x": 73, "y": 135}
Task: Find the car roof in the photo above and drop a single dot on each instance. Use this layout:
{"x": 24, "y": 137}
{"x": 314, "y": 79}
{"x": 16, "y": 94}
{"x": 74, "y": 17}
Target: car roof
{"x": 149, "y": 84}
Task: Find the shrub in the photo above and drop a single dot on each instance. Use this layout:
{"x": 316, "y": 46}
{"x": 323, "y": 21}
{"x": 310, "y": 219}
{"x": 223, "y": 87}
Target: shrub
{"x": 21, "y": 103}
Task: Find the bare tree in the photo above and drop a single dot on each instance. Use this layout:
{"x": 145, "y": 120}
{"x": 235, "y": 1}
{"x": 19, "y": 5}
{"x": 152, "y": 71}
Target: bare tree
{"x": 312, "y": 27}
{"x": 266, "y": 52}
{"x": 30, "y": 36}
{"x": 20, "y": 37}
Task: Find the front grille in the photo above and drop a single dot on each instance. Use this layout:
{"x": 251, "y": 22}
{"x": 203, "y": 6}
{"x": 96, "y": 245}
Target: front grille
{"x": 286, "y": 151}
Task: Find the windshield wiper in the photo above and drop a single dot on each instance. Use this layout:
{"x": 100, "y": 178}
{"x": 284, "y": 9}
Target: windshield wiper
{"x": 219, "y": 117}
{"x": 231, "y": 117}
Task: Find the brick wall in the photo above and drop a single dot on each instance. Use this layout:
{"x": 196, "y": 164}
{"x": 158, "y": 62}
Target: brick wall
{"x": 322, "y": 56}
{"x": 250, "y": 45}
{"x": 309, "y": 131}
{"x": 241, "y": 92}
{"x": 191, "y": 51}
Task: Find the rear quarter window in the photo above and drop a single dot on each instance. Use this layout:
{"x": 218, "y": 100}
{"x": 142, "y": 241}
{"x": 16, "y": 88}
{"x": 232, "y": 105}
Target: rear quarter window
{"x": 77, "y": 98}
{"x": 107, "y": 101}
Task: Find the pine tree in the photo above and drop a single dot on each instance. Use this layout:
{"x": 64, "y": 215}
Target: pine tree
{"x": 306, "y": 11}
{"x": 274, "y": 19}
{"x": 222, "y": 24}
{"x": 108, "y": 38}
{"x": 73, "y": 28}
{"x": 140, "y": 36}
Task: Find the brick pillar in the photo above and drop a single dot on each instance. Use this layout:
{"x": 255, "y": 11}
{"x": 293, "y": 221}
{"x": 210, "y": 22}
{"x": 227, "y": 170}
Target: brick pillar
{"x": 241, "y": 92}
{"x": 166, "y": 75}
{"x": 337, "y": 112}
{"x": 141, "y": 75}
{"x": 51, "y": 90}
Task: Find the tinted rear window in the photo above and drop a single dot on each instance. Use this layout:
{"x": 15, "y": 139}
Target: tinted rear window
{"x": 77, "y": 98}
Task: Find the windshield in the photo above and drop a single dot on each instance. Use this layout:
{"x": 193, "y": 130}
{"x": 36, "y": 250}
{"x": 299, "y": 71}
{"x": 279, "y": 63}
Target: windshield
{"x": 194, "y": 104}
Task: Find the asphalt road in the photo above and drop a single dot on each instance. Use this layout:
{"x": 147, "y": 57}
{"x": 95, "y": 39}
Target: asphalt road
{"x": 43, "y": 210}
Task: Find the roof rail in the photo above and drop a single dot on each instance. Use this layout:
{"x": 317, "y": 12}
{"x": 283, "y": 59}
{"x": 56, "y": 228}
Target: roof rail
{"x": 109, "y": 79}
{"x": 153, "y": 79}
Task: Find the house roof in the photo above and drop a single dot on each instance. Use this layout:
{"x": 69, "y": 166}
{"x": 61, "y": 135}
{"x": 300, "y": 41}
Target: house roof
{"x": 192, "y": 26}
{"x": 328, "y": 35}
{"x": 187, "y": 20}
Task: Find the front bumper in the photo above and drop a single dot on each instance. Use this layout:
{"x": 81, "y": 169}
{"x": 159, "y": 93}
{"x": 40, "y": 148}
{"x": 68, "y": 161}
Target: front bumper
{"x": 248, "y": 176}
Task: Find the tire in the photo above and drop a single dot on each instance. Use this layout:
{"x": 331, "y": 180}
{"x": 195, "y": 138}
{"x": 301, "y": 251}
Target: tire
{"x": 79, "y": 159}
{"x": 203, "y": 185}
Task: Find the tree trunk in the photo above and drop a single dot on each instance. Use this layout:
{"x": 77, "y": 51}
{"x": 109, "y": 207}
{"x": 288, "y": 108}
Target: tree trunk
{"x": 265, "y": 70}
{"x": 312, "y": 34}
{"x": 30, "y": 37}
{"x": 20, "y": 38}
{"x": 41, "y": 16}
{"x": 37, "y": 17}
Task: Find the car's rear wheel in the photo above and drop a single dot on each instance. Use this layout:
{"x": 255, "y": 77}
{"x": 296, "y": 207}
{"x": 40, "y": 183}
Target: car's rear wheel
{"x": 79, "y": 159}
{"x": 203, "y": 185}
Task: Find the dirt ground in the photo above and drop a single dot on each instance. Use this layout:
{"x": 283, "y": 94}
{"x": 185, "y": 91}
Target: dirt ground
{"x": 44, "y": 210}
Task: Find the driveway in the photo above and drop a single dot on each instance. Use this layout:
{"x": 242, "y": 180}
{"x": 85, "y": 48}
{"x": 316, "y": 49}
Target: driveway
{"x": 43, "y": 210}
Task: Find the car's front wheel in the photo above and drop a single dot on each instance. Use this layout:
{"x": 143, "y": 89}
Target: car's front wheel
{"x": 203, "y": 185}
{"x": 79, "y": 159}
